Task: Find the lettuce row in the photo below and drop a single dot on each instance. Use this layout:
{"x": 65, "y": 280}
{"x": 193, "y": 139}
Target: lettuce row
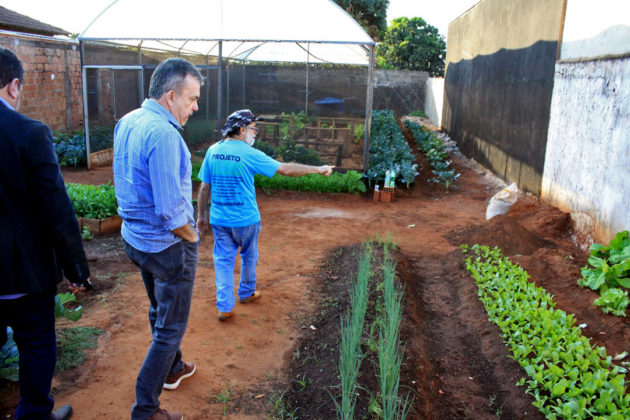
{"x": 568, "y": 377}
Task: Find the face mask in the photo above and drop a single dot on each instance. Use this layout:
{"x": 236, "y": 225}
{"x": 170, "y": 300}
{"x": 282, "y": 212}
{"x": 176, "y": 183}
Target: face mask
{"x": 250, "y": 139}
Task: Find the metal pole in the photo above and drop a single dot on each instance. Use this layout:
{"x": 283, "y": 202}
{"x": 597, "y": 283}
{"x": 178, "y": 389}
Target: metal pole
{"x": 86, "y": 124}
{"x": 368, "y": 111}
{"x": 227, "y": 86}
{"x": 140, "y": 78}
{"x": 207, "y": 89}
{"x": 219, "y": 90}
{"x": 243, "y": 63}
{"x": 306, "y": 95}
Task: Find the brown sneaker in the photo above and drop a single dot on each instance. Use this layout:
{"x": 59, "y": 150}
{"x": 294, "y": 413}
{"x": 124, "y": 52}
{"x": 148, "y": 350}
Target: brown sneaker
{"x": 254, "y": 296}
{"x": 162, "y": 414}
{"x": 172, "y": 381}
{"x": 223, "y": 316}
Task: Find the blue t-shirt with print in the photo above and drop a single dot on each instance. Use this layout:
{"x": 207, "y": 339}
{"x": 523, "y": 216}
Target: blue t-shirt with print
{"x": 229, "y": 168}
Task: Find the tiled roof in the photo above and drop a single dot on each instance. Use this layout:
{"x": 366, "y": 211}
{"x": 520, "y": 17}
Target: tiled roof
{"x": 13, "y": 21}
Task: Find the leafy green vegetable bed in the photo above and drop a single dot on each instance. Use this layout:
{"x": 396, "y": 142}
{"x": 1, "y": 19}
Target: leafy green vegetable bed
{"x": 436, "y": 154}
{"x": 350, "y": 182}
{"x": 389, "y": 150}
{"x": 93, "y": 201}
{"x": 609, "y": 273}
{"x": 568, "y": 377}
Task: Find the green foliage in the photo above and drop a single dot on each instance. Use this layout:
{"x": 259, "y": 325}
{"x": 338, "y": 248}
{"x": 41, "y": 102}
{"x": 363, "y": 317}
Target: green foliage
{"x": 390, "y": 354}
{"x": 359, "y": 132}
{"x": 266, "y": 148}
{"x": 350, "y": 355}
{"x": 389, "y": 150}
{"x": 71, "y": 343}
{"x": 289, "y": 151}
{"x": 608, "y": 269}
{"x": 9, "y": 359}
{"x": 568, "y": 377}
{"x": 70, "y": 147}
{"x": 412, "y": 44}
{"x": 93, "y": 201}
{"x": 224, "y": 398}
{"x": 418, "y": 113}
{"x": 196, "y": 167}
{"x": 609, "y": 265}
{"x": 371, "y": 14}
{"x": 86, "y": 233}
{"x": 613, "y": 301}
{"x": 61, "y": 311}
{"x": 300, "y": 120}
{"x": 350, "y": 182}
{"x": 436, "y": 154}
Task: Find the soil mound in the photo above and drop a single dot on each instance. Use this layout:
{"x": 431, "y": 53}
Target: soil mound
{"x": 503, "y": 232}
{"x": 544, "y": 221}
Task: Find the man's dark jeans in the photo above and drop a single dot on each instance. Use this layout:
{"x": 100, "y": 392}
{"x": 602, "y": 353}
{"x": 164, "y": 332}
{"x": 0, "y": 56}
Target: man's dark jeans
{"x": 32, "y": 318}
{"x": 168, "y": 278}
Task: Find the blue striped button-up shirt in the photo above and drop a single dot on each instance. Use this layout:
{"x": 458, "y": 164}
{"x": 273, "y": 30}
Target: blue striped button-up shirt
{"x": 152, "y": 173}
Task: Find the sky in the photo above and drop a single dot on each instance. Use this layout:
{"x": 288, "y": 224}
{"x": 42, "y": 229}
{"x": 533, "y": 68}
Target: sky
{"x": 438, "y": 13}
{"x": 75, "y": 15}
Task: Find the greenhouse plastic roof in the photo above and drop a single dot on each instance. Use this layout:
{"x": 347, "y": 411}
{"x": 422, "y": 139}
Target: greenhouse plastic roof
{"x": 253, "y": 30}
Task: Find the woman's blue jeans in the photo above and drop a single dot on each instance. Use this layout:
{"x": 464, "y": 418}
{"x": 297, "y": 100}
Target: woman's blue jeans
{"x": 168, "y": 278}
{"x": 227, "y": 240}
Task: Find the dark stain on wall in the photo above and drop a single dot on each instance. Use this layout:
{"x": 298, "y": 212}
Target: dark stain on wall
{"x": 497, "y": 108}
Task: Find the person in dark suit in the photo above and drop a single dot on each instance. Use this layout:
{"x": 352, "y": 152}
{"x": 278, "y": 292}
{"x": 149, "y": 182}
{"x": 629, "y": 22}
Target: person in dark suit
{"x": 40, "y": 242}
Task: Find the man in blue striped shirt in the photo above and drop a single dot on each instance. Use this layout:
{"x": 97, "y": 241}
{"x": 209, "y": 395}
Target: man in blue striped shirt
{"x": 152, "y": 176}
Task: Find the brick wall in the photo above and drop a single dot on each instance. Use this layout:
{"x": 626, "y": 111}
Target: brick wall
{"x": 52, "y": 90}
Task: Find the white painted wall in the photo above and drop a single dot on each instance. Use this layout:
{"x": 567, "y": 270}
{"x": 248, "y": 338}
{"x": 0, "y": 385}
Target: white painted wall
{"x": 587, "y": 163}
{"x": 433, "y": 99}
{"x": 596, "y": 29}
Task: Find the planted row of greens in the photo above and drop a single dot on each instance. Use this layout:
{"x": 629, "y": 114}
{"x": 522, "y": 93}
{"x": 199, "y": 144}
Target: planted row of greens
{"x": 436, "y": 154}
{"x": 93, "y": 201}
{"x": 350, "y": 354}
{"x": 389, "y": 150}
{"x": 350, "y": 182}
{"x": 70, "y": 147}
{"x": 608, "y": 272}
{"x": 568, "y": 377}
{"x": 390, "y": 353}
{"x": 387, "y": 404}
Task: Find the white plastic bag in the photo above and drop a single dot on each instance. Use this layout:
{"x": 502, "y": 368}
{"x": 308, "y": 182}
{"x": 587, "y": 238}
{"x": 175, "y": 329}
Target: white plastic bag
{"x": 501, "y": 202}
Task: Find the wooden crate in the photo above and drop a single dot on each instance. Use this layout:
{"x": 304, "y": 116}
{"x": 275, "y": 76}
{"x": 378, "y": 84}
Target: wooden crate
{"x": 100, "y": 227}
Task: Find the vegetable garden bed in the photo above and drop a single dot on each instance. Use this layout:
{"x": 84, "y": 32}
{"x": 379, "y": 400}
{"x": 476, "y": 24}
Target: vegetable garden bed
{"x": 455, "y": 364}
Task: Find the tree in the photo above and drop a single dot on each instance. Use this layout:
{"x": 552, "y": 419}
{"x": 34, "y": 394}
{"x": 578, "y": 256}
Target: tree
{"x": 412, "y": 44}
{"x": 371, "y": 15}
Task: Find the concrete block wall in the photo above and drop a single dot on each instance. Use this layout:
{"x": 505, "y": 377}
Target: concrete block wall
{"x": 498, "y": 83}
{"x": 588, "y": 150}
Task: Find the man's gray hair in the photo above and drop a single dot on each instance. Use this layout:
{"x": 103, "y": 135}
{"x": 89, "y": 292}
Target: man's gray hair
{"x": 170, "y": 74}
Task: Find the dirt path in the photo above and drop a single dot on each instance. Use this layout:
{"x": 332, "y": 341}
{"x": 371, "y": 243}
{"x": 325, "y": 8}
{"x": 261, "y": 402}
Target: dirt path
{"x": 248, "y": 356}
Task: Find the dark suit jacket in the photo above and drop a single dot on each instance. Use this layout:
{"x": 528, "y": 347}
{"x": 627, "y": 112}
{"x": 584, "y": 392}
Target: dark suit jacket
{"x": 39, "y": 235}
